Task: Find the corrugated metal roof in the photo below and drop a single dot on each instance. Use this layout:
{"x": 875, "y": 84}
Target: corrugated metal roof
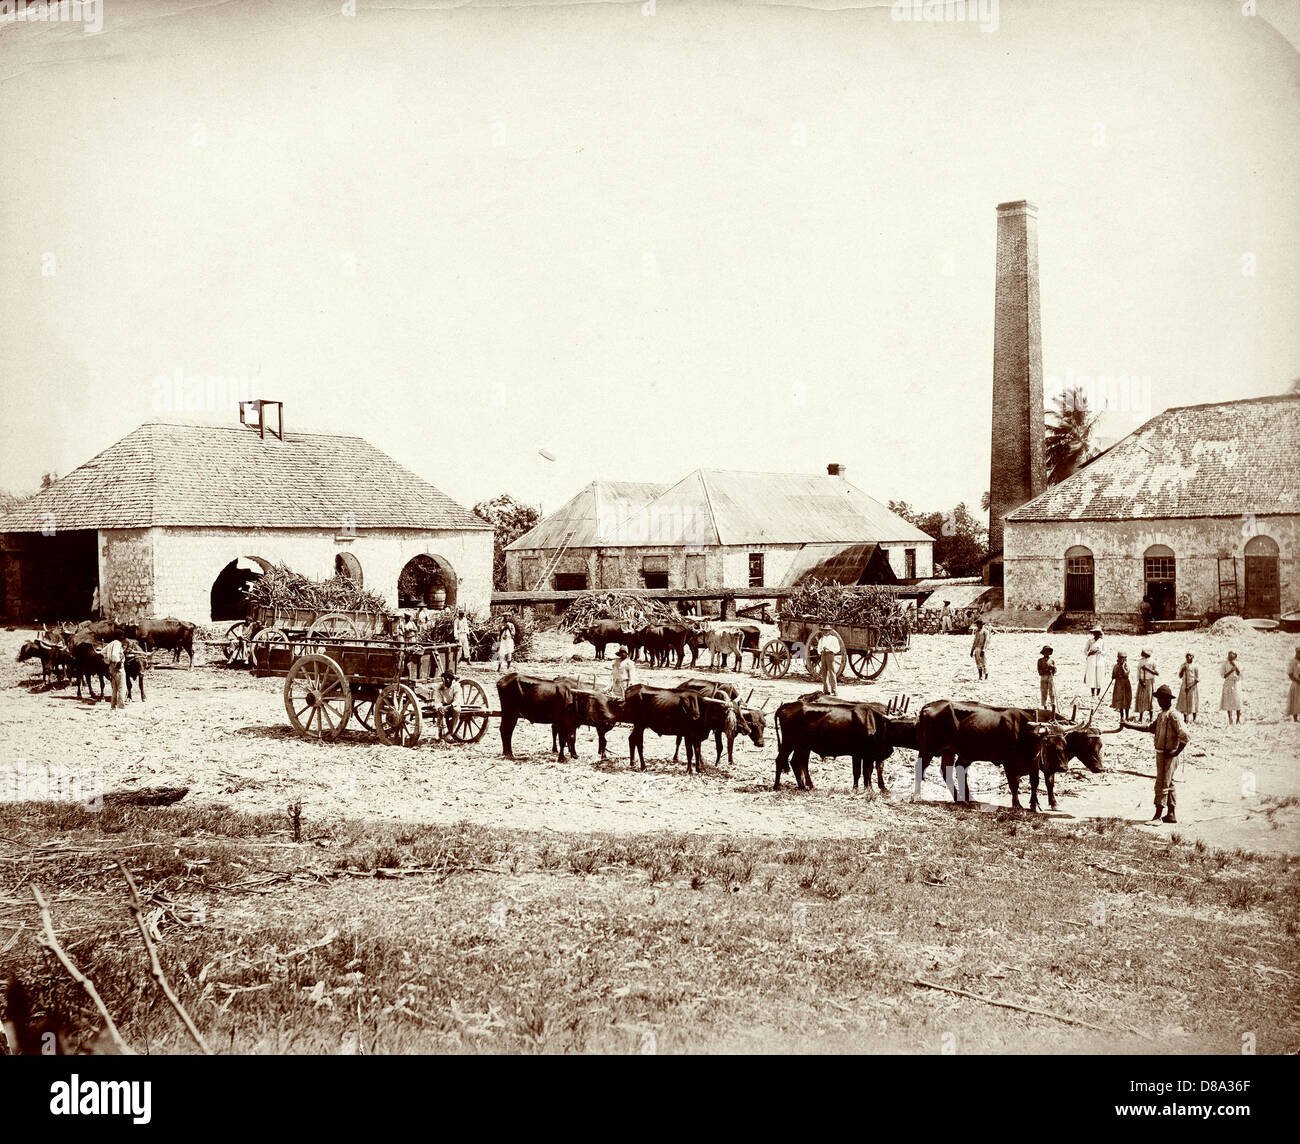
{"x": 169, "y": 473}
{"x": 593, "y": 517}
{"x": 837, "y": 564}
{"x": 1224, "y": 459}
{"x": 713, "y": 506}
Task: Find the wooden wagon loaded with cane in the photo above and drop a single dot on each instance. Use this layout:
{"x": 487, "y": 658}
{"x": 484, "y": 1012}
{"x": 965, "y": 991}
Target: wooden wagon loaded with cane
{"x": 867, "y": 618}
{"x": 329, "y": 681}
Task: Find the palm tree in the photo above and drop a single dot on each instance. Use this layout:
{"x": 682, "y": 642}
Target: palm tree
{"x": 1069, "y": 435}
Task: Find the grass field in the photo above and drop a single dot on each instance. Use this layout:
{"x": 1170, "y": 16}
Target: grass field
{"x": 372, "y": 937}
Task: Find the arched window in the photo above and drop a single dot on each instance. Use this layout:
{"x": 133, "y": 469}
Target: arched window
{"x": 1263, "y": 582}
{"x": 1079, "y": 579}
{"x": 1160, "y": 574}
{"x": 345, "y": 564}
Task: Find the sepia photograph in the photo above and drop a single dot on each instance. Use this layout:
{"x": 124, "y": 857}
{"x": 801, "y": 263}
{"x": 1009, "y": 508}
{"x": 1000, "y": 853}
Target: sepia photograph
{"x": 649, "y": 528}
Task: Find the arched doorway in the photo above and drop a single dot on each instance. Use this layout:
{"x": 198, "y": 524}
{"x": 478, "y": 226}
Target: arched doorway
{"x": 1263, "y": 582}
{"x": 1079, "y": 580}
{"x": 345, "y": 564}
{"x": 1159, "y": 572}
{"x": 228, "y": 601}
{"x": 426, "y": 580}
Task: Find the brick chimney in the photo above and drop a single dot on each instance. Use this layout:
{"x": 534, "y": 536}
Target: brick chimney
{"x": 1017, "y": 472}
{"x": 836, "y": 470}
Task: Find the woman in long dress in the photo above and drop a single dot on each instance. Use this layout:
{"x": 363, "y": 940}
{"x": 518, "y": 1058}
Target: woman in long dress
{"x": 1094, "y": 662}
{"x": 1188, "y": 698}
{"x": 1230, "y": 701}
{"x": 1122, "y": 696}
{"x": 1293, "y": 696}
{"x": 1146, "y": 684}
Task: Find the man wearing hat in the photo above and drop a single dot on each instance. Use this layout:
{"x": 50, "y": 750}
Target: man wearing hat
{"x": 1047, "y": 679}
{"x": 1094, "y": 662}
{"x": 446, "y": 700}
{"x": 829, "y": 648}
{"x": 460, "y": 632}
{"x": 620, "y": 674}
{"x": 1170, "y": 739}
{"x": 945, "y": 617}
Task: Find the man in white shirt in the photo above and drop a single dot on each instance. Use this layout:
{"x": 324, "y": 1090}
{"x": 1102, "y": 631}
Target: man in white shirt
{"x": 829, "y": 648}
{"x": 460, "y": 629}
{"x": 115, "y": 657}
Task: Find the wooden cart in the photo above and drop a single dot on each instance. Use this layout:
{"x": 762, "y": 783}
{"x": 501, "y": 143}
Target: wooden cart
{"x": 866, "y": 649}
{"x": 269, "y": 627}
{"x": 328, "y": 681}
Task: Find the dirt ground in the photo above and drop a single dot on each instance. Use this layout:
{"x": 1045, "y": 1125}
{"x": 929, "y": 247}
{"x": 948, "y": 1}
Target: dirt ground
{"x": 225, "y": 735}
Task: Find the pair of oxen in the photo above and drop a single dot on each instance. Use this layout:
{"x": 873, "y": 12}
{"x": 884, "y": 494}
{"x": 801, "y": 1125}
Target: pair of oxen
{"x": 1026, "y": 742}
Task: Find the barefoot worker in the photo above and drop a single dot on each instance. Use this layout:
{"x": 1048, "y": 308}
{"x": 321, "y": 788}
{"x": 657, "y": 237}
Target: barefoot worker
{"x": 1122, "y": 700}
{"x": 1047, "y": 679}
{"x": 1230, "y": 700}
{"x": 1293, "y": 696}
{"x": 978, "y": 648}
{"x": 1189, "y": 688}
{"x": 1170, "y": 739}
{"x": 1094, "y": 662}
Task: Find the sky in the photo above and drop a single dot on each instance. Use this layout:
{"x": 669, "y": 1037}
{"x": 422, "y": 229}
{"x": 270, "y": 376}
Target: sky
{"x": 643, "y": 238}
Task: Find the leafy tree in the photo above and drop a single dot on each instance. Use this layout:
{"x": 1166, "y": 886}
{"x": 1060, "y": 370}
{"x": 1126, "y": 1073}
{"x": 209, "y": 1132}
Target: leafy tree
{"x": 1069, "y": 435}
{"x": 961, "y": 540}
{"x": 509, "y": 519}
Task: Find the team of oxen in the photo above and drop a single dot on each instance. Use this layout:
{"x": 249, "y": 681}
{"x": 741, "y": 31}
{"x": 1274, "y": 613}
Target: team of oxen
{"x": 77, "y": 652}
{"x": 666, "y": 644}
{"x": 1026, "y": 742}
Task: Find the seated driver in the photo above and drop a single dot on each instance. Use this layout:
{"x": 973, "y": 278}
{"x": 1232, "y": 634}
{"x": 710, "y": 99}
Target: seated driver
{"x": 446, "y": 703}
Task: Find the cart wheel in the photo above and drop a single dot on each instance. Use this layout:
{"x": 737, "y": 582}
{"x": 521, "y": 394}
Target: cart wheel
{"x": 317, "y": 697}
{"x": 397, "y": 716}
{"x": 472, "y": 724}
{"x": 363, "y": 710}
{"x": 813, "y": 660}
{"x": 774, "y": 659}
{"x": 336, "y": 625}
{"x": 259, "y": 647}
{"x": 868, "y": 664}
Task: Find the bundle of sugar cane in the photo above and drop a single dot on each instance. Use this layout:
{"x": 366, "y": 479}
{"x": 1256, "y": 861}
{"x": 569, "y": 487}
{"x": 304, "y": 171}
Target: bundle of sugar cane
{"x": 628, "y": 610}
{"x": 281, "y": 587}
{"x": 867, "y": 605}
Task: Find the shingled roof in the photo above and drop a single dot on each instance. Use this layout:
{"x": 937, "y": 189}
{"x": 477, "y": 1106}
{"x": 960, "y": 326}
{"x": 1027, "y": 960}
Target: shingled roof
{"x": 1224, "y": 459}
{"x": 196, "y": 475}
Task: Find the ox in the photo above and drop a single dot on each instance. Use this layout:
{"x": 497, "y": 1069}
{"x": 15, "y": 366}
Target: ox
{"x": 599, "y": 633}
{"x": 588, "y": 708}
{"x": 539, "y": 701}
{"x": 725, "y": 716}
{"x": 54, "y": 659}
{"x": 665, "y": 712}
{"x": 87, "y": 660}
{"x": 899, "y": 731}
{"x": 166, "y": 633}
{"x": 811, "y": 724}
{"x": 964, "y": 733}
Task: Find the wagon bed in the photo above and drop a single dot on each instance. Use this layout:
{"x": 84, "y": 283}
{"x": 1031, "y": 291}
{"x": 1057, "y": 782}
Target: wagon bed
{"x": 866, "y": 648}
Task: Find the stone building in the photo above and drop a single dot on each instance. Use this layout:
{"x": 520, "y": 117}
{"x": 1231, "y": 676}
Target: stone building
{"x": 716, "y": 529}
{"x": 174, "y": 518}
{"x": 1199, "y": 509}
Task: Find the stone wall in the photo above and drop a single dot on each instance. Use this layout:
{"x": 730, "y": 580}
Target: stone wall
{"x": 126, "y": 573}
{"x": 187, "y": 561}
{"x": 723, "y": 566}
{"x": 1035, "y": 560}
